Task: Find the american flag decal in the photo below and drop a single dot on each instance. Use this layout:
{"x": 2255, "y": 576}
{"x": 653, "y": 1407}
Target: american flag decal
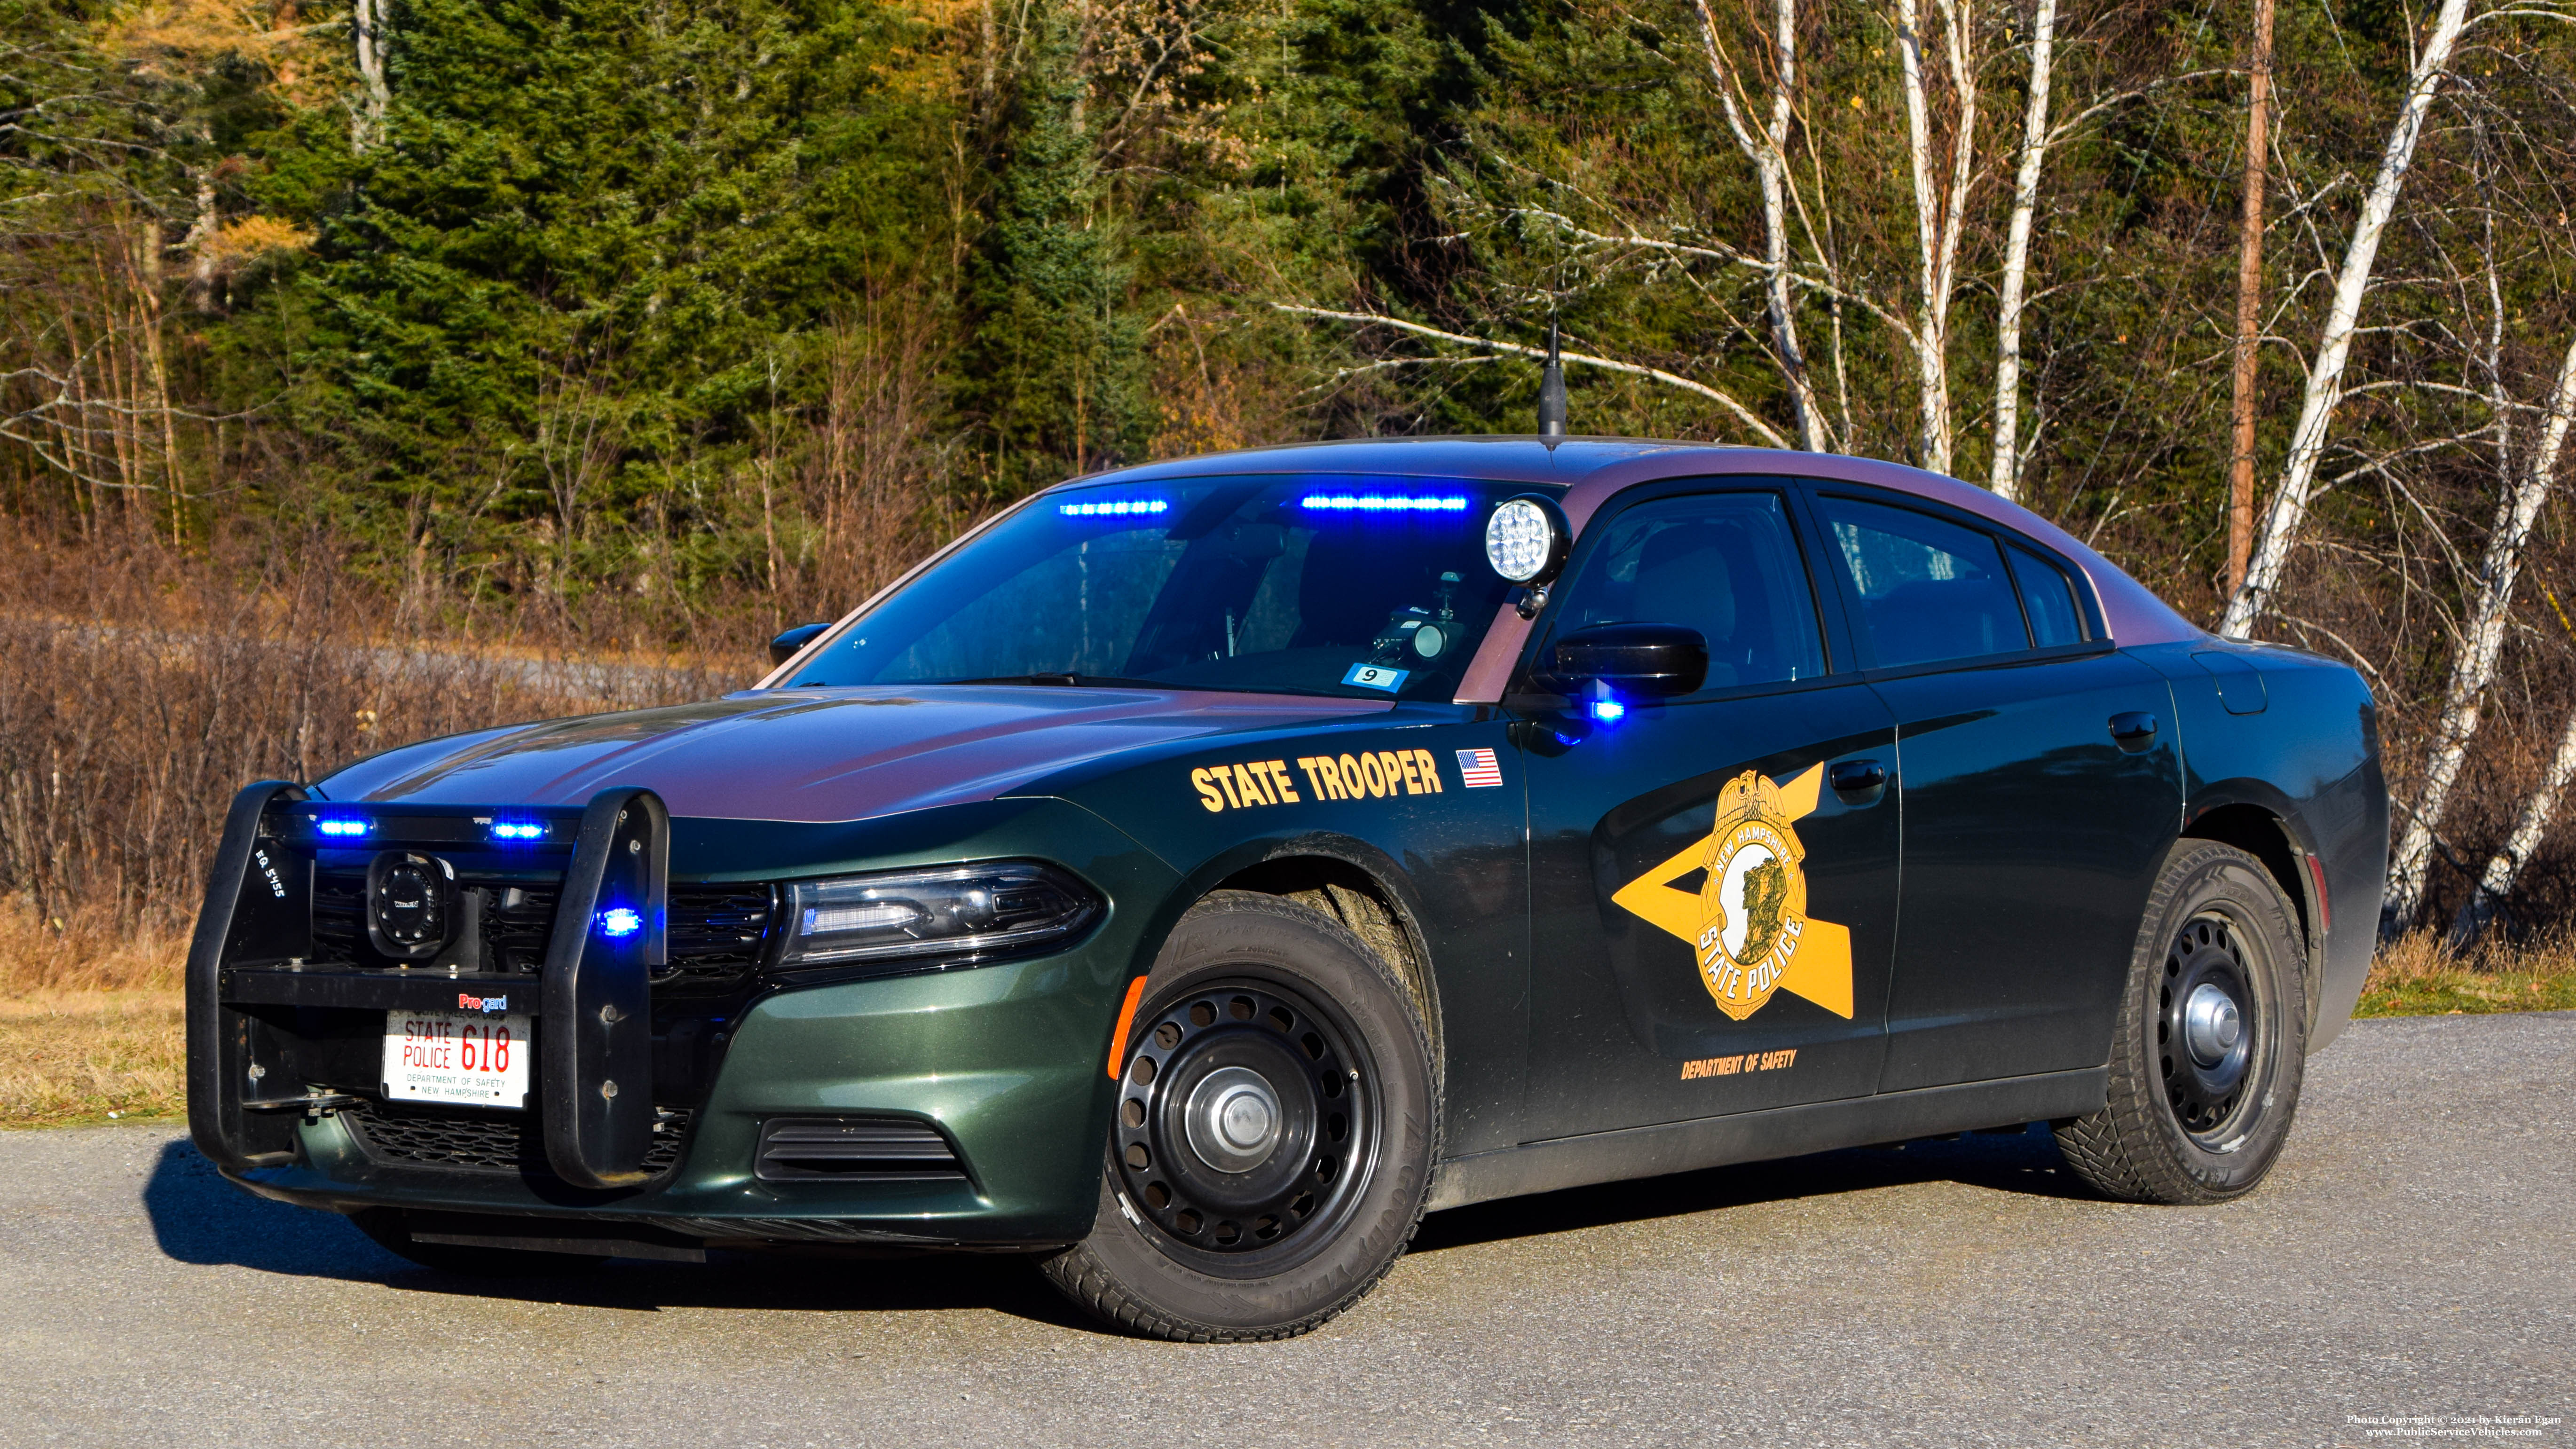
{"x": 1479, "y": 769}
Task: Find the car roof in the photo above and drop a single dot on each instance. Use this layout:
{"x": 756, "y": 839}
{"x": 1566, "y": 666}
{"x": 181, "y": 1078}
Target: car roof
{"x": 1594, "y": 470}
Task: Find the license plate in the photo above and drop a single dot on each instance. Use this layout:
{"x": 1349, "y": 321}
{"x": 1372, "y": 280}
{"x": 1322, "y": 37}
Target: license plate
{"x": 469, "y": 1058}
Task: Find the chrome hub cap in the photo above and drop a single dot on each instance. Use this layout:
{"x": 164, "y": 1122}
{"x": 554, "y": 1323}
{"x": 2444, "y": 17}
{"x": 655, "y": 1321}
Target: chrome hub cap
{"x": 1234, "y": 1119}
{"x": 2211, "y": 1024}
{"x": 2208, "y": 1019}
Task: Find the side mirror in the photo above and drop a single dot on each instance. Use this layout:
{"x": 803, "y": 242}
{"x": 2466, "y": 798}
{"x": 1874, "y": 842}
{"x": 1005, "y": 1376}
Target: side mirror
{"x": 1633, "y": 661}
{"x": 784, "y": 647}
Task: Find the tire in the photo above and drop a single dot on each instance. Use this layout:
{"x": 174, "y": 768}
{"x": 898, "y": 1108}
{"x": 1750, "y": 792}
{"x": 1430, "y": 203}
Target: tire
{"x": 1271, "y": 1149}
{"x": 2195, "y": 1115}
{"x": 391, "y": 1230}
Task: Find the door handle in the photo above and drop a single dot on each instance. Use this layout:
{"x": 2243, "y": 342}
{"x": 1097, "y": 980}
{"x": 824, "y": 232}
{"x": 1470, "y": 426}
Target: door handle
{"x": 2133, "y": 728}
{"x": 1854, "y": 777}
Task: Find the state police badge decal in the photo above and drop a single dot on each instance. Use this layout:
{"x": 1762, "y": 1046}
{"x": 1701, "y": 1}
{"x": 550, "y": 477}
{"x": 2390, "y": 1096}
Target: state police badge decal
{"x": 1748, "y": 923}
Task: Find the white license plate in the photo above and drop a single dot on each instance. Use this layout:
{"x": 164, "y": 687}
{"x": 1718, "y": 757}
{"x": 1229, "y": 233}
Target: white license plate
{"x": 469, "y": 1058}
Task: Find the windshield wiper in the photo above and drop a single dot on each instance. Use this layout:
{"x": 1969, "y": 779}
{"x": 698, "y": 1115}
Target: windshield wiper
{"x": 1074, "y": 681}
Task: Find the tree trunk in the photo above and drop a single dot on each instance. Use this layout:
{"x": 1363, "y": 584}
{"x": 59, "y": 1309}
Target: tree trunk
{"x": 2249, "y": 301}
{"x": 1768, "y": 152}
{"x": 2473, "y": 667}
{"x": 366, "y": 24}
{"x": 2495, "y": 883}
{"x": 2289, "y": 510}
{"x": 2005, "y": 478}
{"x": 1936, "y": 214}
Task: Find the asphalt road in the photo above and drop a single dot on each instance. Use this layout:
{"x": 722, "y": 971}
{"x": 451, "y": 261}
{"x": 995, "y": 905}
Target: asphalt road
{"x": 2414, "y": 1254}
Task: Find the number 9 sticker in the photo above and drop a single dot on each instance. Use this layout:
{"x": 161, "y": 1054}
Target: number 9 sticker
{"x": 1376, "y": 676}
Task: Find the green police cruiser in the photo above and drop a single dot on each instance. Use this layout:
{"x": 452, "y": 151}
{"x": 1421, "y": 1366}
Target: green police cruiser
{"x": 1199, "y": 872}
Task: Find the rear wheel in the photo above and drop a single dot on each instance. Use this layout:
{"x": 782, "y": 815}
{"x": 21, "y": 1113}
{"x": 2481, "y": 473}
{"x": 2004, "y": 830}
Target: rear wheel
{"x": 2212, "y": 1041}
{"x": 1272, "y": 1145}
{"x": 391, "y": 1230}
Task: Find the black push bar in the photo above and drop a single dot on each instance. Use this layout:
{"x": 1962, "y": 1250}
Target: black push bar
{"x": 595, "y": 1034}
{"x": 594, "y": 1028}
{"x": 259, "y": 897}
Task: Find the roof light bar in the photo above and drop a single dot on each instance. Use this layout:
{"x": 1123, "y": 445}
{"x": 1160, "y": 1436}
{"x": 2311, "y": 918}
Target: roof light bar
{"x": 1115, "y": 508}
{"x": 1385, "y": 503}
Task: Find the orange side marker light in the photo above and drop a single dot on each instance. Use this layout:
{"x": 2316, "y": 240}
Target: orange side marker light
{"x": 1126, "y": 1019}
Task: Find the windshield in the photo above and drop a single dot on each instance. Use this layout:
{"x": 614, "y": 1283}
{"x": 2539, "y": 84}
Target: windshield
{"x": 1313, "y": 584}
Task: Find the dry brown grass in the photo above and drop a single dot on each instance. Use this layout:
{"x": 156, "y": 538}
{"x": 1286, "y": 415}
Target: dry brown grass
{"x": 2421, "y": 975}
{"x": 72, "y": 1057}
{"x": 90, "y": 1023}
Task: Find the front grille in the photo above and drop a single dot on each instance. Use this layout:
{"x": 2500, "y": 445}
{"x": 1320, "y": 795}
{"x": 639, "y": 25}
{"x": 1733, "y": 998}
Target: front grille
{"x": 418, "y": 1134}
{"x": 715, "y": 932}
{"x": 878, "y": 1149}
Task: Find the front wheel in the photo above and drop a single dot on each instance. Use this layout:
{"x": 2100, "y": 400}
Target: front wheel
{"x": 1271, "y": 1149}
{"x": 2212, "y": 1041}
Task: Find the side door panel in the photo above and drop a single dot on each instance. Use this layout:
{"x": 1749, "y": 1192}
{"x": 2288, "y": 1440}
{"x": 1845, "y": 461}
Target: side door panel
{"x": 2040, "y": 782}
{"x": 2031, "y": 841}
{"x": 1627, "y": 1026}
{"x": 1711, "y": 923}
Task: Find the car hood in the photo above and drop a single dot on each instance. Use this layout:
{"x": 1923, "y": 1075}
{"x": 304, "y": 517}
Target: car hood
{"x": 816, "y": 754}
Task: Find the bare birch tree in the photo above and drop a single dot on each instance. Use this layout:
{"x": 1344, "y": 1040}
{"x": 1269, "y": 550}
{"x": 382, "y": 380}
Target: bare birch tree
{"x": 2495, "y": 882}
{"x": 2288, "y": 514}
{"x": 1940, "y": 214}
{"x": 366, "y": 27}
{"x": 2005, "y": 476}
{"x": 1767, "y": 150}
{"x": 2473, "y": 666}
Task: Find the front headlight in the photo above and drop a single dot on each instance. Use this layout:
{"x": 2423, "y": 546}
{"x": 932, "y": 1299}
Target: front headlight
{"x": 924, "y": 916}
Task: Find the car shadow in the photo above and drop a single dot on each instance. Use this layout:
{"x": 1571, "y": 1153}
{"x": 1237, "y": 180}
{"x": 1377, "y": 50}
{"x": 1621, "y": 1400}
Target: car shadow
{"x": 2022, "y": 1162}
{"x": 198, "y": 1217}
{"x": 801, "y": 1280}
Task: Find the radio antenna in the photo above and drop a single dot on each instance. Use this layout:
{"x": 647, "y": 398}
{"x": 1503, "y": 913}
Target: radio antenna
{"x": 1551, "y": 387}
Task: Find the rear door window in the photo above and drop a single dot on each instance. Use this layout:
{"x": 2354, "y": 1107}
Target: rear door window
{"x": 1929, "y": 590}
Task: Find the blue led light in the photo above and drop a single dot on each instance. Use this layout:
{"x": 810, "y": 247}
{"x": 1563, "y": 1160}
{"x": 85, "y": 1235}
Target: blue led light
{"x": 619, "y": 922}
{"x": 1115, "y": 508}
{"x": 344, "y": 827}
{"x": 1608, "y": 711}
{"x": 518, "y": 830}
{"x": 1384, "y": 503}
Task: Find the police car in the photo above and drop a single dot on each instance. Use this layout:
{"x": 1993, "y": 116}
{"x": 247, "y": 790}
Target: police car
{"x": 1197, "y": 873}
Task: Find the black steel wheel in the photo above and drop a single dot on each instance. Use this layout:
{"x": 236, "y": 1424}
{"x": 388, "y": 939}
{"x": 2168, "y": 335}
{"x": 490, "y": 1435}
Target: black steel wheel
{"x": 2212, "y": 1041}
{"x": 2207, "y": 1018}
{"x": 1246, "y": 1120}
{"x": 1270, "y": 1146}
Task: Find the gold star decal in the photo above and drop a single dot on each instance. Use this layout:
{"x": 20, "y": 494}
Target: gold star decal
{"x": 1748, "y": 921}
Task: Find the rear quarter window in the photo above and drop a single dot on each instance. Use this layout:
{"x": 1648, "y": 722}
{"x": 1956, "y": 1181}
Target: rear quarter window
{"x": 2049, "y": 596}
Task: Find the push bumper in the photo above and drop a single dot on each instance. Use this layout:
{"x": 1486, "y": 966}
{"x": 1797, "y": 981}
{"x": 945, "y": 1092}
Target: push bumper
{"x": 1002, "y": 1063}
